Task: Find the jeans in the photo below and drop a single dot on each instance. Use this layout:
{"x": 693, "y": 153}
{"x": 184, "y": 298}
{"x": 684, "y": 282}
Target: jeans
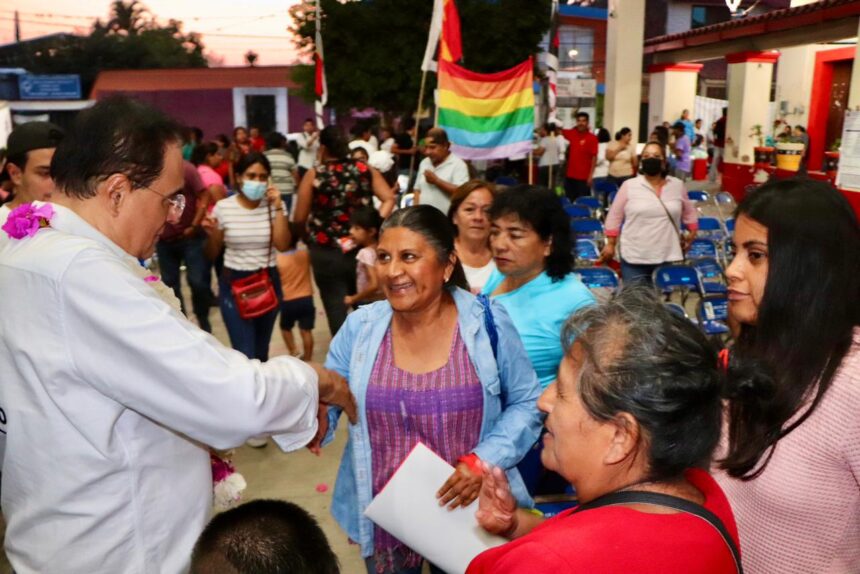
{"x": 574, "y": 188}
{"x": 635, "y": 273}
{"x": 171, "y": 254}
{"x": 248, "y": 336}
{"x": 334, "y": 273}
{"x": 715, "y": 163}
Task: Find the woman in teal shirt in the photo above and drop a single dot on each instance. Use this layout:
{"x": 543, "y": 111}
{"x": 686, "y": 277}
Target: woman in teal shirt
{"x": 534, "y": 280}
{"x": 535, "y": 283}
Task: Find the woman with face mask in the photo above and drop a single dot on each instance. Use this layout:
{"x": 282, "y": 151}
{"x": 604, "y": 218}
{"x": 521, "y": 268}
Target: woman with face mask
{"x": 651, "y": 207}
{"x": 251, "y": 225}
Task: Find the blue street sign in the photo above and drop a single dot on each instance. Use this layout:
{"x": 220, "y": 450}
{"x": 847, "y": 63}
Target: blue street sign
{"x": 49, "y": 87}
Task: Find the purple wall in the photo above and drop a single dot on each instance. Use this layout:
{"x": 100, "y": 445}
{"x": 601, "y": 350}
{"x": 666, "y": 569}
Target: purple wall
{"x": 210, "y": 110}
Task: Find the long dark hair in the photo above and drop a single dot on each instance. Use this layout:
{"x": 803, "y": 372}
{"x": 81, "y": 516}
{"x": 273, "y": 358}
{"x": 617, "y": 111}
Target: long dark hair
{"x": 810, "y": 307}
{"x": 335, "y": 144}
{"x": 541, "y": 209}
{"x": 436, "y": 229}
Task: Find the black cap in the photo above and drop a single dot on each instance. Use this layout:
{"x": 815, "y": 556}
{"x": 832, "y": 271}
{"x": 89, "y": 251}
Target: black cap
{"x": 33, "y": 135}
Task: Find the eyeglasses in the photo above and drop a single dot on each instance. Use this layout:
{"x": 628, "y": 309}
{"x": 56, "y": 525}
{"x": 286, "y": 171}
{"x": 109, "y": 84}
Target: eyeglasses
{"x": 176, "y": 201}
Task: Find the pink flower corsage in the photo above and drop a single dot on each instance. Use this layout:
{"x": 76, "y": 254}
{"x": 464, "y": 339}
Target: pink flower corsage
{"x": 226, "y": 482}
{"x": 25, "y": 220}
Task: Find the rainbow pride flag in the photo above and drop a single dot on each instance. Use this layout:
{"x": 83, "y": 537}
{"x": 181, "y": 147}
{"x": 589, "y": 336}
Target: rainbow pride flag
{"x": 487, "y": 116}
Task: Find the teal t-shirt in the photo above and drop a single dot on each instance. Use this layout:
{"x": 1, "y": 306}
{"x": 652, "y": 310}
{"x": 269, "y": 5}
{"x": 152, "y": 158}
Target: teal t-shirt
{"x": 539, "y": 309}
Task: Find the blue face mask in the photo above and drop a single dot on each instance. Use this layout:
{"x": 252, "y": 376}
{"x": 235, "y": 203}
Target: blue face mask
{"x": 254, "y": 190}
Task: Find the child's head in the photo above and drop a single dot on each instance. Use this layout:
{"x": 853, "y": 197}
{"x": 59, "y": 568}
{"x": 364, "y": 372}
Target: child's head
{"x": 263, "y": 536}
{"x": 364, "y": 226}
{"x": 359, "y": 154}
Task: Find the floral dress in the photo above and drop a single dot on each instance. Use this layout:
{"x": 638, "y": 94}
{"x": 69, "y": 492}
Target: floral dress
{"x": 340, "y": 187}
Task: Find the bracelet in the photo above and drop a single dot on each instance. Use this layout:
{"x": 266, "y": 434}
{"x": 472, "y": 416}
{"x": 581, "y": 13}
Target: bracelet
{"x": 472, "y": 462}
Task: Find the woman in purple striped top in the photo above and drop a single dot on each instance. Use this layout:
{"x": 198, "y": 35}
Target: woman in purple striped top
{"x": 424, "y": 368}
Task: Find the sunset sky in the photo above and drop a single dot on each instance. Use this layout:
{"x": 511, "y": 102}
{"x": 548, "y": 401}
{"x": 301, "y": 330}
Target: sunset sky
{"x": 229, "y": 27}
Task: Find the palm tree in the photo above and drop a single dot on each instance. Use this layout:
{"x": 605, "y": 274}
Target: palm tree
{"x": 128, "y": 18}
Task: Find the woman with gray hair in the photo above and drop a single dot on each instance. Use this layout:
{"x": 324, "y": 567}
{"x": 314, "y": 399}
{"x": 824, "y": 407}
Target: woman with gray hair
{"x": 430, "y": 363}
{"x": 631, "y": 421}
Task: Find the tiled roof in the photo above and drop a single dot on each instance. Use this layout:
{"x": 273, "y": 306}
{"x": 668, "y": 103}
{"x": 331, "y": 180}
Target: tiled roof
{"x": 816, "y": 12}
{"x": 193, "y": 79}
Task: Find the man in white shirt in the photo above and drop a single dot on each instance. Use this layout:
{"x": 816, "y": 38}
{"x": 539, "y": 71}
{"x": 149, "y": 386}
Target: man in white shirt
{"x": 309, "y": 147}
{"x": 547, "y": 151}
{"x": 29, "y": 151}
{"x": 111, "y": 395}
{"x": 440, "y": 173}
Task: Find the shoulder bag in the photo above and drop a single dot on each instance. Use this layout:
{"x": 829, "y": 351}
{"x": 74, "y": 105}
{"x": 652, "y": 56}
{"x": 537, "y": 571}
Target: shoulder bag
{"x": 675, "y": 227}
{"x": 255, "y": 294}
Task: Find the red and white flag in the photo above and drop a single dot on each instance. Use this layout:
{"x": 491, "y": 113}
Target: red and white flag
{"x": 444, "y": 35}
{"x": 321, "y": 87}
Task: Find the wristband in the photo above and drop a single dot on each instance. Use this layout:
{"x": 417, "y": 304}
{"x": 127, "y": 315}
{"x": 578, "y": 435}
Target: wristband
{"x": 472, "y": 462}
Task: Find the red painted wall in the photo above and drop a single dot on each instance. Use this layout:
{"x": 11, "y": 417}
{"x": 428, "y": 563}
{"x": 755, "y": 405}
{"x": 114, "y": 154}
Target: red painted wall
{"x": 819, "y": 101}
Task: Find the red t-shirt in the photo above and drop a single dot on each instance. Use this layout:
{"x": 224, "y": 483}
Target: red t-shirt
{"x": 580, "y": 153}
{"x": 618, "y": 539}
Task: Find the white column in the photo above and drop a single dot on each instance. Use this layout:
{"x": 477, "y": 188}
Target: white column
{"x": 625, "y": 35}
{"x": 854, "y": 88}
{"x": 750, "y": 77}
{"x": 672, "y": 90}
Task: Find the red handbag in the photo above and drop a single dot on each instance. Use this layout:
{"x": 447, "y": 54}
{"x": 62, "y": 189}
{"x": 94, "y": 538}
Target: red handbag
{"x": 255, "y": 294}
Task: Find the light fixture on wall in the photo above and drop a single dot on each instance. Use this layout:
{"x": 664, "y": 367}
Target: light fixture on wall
{"x": 573, "y": 53}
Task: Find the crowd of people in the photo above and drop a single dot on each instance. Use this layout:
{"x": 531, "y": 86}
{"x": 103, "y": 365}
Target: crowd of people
{"x": 457, "y": 321}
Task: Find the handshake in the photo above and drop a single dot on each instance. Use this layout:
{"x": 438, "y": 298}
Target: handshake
{"x": 333, "y": 391}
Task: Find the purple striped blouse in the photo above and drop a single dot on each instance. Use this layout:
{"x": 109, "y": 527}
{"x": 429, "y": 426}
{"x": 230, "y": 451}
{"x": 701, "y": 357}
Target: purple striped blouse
{"x": 443, "y": 409}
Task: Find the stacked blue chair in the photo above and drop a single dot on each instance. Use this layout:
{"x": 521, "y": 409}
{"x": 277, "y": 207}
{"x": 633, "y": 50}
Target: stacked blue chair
{"x": 587, "y": 229}
{"x": 730, "y": 225}
{"x": 578, "y": 211}
{"x": 699, "y": 196}
{"x": 586, "y": 251}
{"x": 712, "y": 228}
{"x": 711, "y": 273}
{"x": 677, "y": 278}
{"x": 589, "y": 201}
{"x": 703, "y": 248}
{"x": 677, "y": 310}
{"x": 506, "y": 180}
{"x": 712, "y": 313}
{"x": 406, "y": 200}
{"x": 604, "y": 188}
{"x": 612, "y": 197}
{"x": 728, "y": 251}
{"x": 598, "y": 278}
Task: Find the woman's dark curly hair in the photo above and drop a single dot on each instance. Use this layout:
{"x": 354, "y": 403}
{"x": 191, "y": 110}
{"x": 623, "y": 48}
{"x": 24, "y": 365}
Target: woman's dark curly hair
{"x": 540, "y": 209}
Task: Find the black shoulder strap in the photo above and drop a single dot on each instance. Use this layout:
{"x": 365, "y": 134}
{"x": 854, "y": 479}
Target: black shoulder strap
{"x": 656, "y": 499}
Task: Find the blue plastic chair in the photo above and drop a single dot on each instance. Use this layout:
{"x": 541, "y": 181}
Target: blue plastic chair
{"x": 730, "y": 225}
{"x": 586, "y": 251}
{"x": 711, "y": 273}
{"x": 712, "y": 228}
{"x": 578, "y": 211}
{"x": 698, "y": 196}
{"x": 683, "y": 278}
{"x": 712, "y": 313}
{"x": 725, "y": 198}
{"x": 612, "y": 196}
{"x": 587, "y": 228}
{"x": 598, "y": 278}
{"x": 589, "y": 201}
{"x": 565, "y": 201}
{"x": 406, "y": 200}
{"x": 703, "y": 248}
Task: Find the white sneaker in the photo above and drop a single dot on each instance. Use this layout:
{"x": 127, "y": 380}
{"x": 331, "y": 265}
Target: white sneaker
{"x": 257, "y": 441}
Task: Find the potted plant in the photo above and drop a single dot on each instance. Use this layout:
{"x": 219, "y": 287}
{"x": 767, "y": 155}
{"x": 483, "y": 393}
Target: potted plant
{"x": 763, "y": 153}
{"x": 831, "y": 159}
{"x": 789, "y": 153}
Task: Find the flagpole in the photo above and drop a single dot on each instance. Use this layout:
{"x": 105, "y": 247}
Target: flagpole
{"x": 531, "y": 166}
{"x": 417, "y": 121}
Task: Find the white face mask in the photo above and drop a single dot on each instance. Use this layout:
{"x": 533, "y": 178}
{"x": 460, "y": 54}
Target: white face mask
{"x": 254, "y": 190}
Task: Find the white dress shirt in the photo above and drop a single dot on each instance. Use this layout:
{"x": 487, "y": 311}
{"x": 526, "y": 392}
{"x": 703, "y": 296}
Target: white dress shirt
{"x": 452, "y": 170}
{"x": 307, "y": 150}
{"x": 110, "y": 396}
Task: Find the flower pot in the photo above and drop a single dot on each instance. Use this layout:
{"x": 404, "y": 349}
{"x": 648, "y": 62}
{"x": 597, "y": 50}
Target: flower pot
{"x": 788, "y": 156}
{"x": 763, "y": 155}
{"x": 831, "y": 163}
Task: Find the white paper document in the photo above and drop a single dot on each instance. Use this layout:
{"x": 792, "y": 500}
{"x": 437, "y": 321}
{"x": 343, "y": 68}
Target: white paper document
{"x": 408, "y": 508}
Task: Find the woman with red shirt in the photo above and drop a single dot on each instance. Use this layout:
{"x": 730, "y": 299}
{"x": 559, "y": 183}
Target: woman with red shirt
{"x": 635, "y": 409}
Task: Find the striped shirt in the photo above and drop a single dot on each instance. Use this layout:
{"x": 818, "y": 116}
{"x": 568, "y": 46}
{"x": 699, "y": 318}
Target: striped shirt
{"x": 282, "y": 164}
{"x": 443, "y": 409}
{"x": 247, "y": 234}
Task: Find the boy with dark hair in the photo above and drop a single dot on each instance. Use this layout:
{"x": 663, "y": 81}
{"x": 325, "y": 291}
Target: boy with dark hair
{"x": 263, "y": 537}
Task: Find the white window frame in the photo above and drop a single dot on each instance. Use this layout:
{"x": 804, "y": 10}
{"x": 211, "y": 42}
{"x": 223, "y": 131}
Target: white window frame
{"x": 240, "y": 113}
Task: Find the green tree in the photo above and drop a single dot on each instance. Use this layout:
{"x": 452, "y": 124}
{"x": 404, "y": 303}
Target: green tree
{"x": 373, "y": 48}
{"x": 130, "y": 40}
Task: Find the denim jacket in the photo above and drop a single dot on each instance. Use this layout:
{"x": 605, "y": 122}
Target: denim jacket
{"x": 511, "y": 422}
